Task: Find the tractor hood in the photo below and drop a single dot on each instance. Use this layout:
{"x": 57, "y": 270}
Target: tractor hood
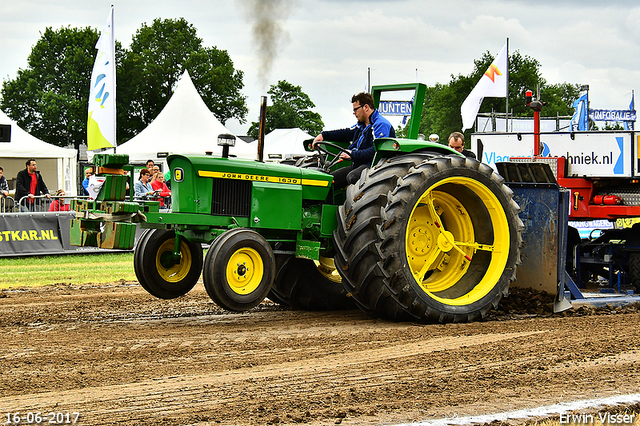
{"x": 196, "y": 181}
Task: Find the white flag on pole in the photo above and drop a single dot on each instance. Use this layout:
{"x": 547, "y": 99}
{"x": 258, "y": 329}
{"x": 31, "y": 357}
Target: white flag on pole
{"x": 492, "y": 84}
{"x": 101, "y": 124}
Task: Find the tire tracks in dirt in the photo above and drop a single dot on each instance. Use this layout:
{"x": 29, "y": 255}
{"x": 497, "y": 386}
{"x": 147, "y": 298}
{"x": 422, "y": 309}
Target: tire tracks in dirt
{"x": 169, "y": 387}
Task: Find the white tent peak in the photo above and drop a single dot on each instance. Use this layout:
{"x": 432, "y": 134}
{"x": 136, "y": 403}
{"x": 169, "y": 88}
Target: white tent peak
{"x": 184, "y": 126}
{"x": 23, "y": 144}
{"x": 286, "y": 143}
{"x": 57, "y": 165}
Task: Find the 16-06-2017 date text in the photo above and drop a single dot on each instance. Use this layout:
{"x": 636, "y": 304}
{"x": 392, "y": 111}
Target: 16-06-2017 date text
{"x": 41, "y": 418}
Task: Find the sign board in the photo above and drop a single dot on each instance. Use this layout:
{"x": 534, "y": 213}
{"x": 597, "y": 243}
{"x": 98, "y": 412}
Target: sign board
{"x": 395, "y": 107}
{"x": 29, "y": 234}
{"x": 612, "y": 115}
{"x": 604, "y": 154}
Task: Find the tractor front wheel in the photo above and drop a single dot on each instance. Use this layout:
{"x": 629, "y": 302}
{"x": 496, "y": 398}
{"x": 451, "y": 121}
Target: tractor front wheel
{"x": 239, "y": 269}
{"x": 162, "y": 272}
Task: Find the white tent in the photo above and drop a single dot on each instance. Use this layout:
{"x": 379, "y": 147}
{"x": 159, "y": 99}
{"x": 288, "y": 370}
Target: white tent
{"x": 281, "y": 144}
{"x": 184, "y": 126}
{"x": 57, "y": 165}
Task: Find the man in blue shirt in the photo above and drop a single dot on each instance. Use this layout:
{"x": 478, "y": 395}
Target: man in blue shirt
{"x": 371, "y": 125}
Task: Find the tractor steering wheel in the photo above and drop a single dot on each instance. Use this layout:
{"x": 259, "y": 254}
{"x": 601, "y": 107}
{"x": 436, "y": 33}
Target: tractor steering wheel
{"x": 320, "y": 146}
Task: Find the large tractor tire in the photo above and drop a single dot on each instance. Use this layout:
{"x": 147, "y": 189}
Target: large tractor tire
{"x": 273, "y": 294}
{"x": 446, "y": 248}
{"x": 159, "y": 272}
{"x": 356, "y": 237}
{"x": 634, "y": 270}
{"x": 573, "y": 239}
{"x": 310, "y": 286}
{"x": 239, "y": 269}
{"x": 633, "y": 239}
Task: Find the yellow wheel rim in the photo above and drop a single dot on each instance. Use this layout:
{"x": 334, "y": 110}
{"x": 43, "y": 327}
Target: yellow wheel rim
{"x": 245, "y": 270}
{"x": 441, "y": 242}
{"x": 166, "y": 265}
{"x": 327, "y": 268}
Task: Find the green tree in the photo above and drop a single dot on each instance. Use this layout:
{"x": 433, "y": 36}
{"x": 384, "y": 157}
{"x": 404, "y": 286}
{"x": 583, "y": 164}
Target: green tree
{"x": 49, "y": 98}
{"x": 441, "y": 114}
{"x": 158, "y": 56}
{"x": 559, "y": 99}
{"x": 290, "y": 108}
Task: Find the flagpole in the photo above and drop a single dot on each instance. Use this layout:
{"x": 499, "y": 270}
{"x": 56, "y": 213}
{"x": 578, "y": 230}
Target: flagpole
{"x": 507, "y": 74}
{"x": 113, "y": 68}
{"x": 633, "y": 107}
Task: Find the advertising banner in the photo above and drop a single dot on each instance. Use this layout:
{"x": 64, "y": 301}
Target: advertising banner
{"x": 604, "y": 154}
{"x": 35, "y": 234}
{"x": 28, "y": 234}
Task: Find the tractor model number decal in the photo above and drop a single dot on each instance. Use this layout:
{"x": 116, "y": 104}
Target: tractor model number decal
{"x": 262, "y": 178}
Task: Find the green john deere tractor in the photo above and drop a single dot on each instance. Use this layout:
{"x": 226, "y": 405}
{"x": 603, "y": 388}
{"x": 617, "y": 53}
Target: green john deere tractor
{"x": 425, "y": 235}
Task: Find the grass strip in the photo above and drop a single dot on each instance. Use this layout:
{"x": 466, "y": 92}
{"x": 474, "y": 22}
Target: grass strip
{"x": 38, "y": 271}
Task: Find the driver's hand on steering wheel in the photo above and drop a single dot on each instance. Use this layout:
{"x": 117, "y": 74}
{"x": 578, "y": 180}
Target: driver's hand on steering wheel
{"x": 346, "y": 156}
{"x": 318, "y": 138}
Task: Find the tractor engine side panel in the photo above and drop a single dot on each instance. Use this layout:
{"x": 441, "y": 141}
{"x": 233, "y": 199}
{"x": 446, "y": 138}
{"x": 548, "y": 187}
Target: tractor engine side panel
{"x": 189, "y": 193}
{"x": 276, "y": 206}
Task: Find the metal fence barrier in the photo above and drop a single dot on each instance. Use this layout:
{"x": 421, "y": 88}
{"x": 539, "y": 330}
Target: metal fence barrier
{"x": 42, "y": 203}
{"x": 55, "y": 203}
{"x": 7, "y": 204}
{"x": 165, "y": 202}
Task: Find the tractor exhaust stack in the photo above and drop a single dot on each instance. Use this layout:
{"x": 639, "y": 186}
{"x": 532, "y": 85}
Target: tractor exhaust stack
{"x": 263, "y": 120}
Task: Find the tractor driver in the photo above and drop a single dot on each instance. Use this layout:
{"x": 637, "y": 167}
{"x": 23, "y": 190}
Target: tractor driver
{"x": 371, "y": 125}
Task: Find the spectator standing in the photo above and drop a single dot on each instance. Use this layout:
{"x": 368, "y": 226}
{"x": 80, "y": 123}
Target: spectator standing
{"x": 142, "y": 187}
{"x": 6, "y": 204}
{"x": 456, "y": 141}
{"x": 29, "y": 183}
{"x": 167, "y": 178}
{"x": 85, "y": 183}
{"x": 4, "y": 186}
{"x": 150, "y": 164}
{"x": 161, "y": 188}
{"x": 155, "y": 171}
{"x": 59, "y": 204}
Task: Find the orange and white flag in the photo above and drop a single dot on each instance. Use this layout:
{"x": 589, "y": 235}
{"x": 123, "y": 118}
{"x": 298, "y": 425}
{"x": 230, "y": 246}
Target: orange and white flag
{"x": 492, "y": 84}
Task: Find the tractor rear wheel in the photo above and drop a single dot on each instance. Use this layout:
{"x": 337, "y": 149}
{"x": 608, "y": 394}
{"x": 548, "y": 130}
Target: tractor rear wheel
{"x": 356, "y": 237}
{"x": 312, "y": 286}
{"x": 160, "y": 272}
{"x": 447, "y": 246}
{"x": 239, "y": 269}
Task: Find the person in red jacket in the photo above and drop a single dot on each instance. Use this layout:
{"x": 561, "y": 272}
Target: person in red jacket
{"x": 159, "y": 185}
{"x": 59, "y": 204}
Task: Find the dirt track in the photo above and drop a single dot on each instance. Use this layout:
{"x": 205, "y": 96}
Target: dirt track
{"x": 119, "y": 356}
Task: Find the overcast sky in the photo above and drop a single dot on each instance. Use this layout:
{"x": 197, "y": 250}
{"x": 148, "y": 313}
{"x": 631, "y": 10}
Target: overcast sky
{"x": 327, "y": 46}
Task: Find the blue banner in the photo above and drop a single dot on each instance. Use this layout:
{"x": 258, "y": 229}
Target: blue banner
{"x": 395, "y": 107}
{"x": 612, "y": 115}
{"x": 579, "y": 120}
